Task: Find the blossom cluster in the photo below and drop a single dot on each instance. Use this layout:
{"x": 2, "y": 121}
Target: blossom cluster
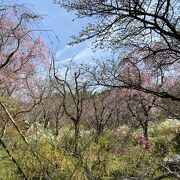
{"x": 143, "y": 142}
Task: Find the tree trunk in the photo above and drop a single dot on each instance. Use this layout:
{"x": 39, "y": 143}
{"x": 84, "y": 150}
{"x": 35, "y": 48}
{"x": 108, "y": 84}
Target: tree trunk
{"x": 146, "y": 129}
{"x": 76, "y": 136}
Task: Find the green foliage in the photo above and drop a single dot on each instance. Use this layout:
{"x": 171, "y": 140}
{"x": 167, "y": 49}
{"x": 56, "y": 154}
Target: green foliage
{"x": 161, "y": 145}
{"x": 10, "y": 104}
{"x": 117, "y": 154}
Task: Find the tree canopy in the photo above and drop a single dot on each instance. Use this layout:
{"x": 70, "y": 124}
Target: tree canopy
{"x": 145, "y": 33}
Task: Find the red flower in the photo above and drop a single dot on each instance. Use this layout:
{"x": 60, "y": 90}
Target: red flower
{"x": 145, "y": 144}
{"x": 141, "y": 139}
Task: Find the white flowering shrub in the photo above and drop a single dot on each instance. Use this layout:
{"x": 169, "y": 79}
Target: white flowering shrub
{"x": 170, "y": 126}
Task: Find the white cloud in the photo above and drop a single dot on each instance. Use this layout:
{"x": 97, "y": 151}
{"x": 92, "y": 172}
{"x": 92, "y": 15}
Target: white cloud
{"x": 60, "y": 52}
{"x": 84, "y": 56}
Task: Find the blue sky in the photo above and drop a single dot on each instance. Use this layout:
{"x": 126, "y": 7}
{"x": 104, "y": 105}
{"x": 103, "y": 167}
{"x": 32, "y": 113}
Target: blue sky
{"x": 62, "y": 25}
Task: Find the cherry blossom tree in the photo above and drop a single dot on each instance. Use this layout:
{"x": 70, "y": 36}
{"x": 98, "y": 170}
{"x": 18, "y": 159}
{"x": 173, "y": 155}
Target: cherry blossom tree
{"x": 145, "y": 34}
{"x": 21, "y": 50}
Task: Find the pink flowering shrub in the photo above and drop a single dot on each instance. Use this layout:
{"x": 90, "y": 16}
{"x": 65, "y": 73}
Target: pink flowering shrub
{"x": 143, "y": 142}
{"x": 141, "y": 139}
